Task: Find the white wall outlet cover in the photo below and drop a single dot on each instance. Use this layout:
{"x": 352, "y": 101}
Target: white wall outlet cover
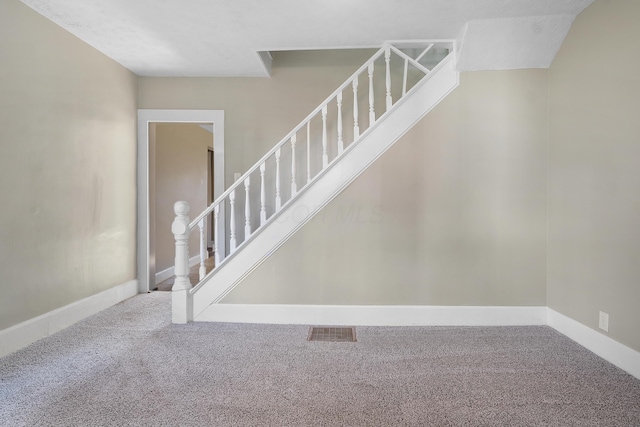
{"x": 603, "y": 321}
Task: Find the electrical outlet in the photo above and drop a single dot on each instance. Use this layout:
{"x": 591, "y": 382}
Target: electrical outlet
{"x": 236, "y": 176}
{"x": 603, "y": 322}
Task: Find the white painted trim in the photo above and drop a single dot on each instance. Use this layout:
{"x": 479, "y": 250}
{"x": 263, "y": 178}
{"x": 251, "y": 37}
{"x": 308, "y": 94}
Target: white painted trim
{"x": 374, "y": 315}
{"x": 610, "y": 350}
{"x": 165, "y": 274}
{"x": 145, "y": 263}
{"x": 29, "y": 331}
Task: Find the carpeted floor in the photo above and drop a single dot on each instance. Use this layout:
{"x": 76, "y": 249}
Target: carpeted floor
{"x": 129, "y": 365}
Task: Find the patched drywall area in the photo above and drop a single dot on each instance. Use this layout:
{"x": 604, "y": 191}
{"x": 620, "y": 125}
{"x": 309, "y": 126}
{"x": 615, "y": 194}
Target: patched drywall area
{"x": 453, "y": 214}
{"x": 594, "y": 178}
{"x": 67, "y": 169}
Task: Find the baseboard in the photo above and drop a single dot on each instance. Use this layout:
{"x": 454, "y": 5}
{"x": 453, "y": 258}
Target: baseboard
{"x": 27, "y": 332}
{"x": 369, "y": 315}
{"x": 163, "y": 275}
{"x": 611, "y": 350}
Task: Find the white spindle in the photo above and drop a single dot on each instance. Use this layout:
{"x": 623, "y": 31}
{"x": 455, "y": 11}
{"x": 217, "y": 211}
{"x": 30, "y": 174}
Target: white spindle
{"x": 356, "y": 128}
{"x": 309, "y": 151}
{"x": 216, "y": 245}
{"x": 372, "y": 113}
{"x": 263, "y": 195}
{"x": 340, "y": 141}
{"x": 325, "y": 154}
{"x": 232, "y": 221}
{"x": 278, "y": 198}
{"x": 202, "y": 271}
{"x": 387, "y": 60}
{"x": 294, "y": 186}
{"x": 404, "y": 79}
{"x": 247, "y": 209}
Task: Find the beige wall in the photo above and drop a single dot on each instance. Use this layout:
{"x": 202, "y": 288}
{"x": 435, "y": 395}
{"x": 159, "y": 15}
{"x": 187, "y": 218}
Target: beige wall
{"x": 453, "y": 214}
{"x": 594, "y": 170}
{"x": 180, "y": 174}
{"x": 67, "y": 168}
{"x": 259, "y": 112}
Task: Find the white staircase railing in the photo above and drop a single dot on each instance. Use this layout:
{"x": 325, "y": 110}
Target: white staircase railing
{"x": 299, "y": 158}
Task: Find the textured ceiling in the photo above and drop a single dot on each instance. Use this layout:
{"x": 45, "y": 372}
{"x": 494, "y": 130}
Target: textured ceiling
{"x": 223, "y": 37}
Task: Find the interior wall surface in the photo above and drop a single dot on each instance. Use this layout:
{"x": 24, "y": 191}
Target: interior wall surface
{"x": 259, "y": 112}
{"x": 453, "y": 214}
{"x": 594, "y": 173}
{"x": 67, "y": 169}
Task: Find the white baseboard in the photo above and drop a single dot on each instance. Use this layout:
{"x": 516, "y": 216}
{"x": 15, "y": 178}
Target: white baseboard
{"x": 23, "y": 334}
{"x": 369, "y": 315}
{"x": 163, "y": 275}
{"x": 610, "y": 350}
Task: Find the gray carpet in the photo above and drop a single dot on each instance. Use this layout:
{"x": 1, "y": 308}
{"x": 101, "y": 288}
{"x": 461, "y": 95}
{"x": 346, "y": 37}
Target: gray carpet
{"x": 129, "y": 365}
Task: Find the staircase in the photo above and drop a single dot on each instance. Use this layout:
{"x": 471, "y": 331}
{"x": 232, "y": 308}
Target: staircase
{"x": 307, "y": 169}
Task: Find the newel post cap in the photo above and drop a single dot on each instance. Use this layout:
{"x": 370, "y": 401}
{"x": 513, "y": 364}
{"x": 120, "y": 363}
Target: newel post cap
{"x": 180, "y": 224}
{"x": 181, "y": 208}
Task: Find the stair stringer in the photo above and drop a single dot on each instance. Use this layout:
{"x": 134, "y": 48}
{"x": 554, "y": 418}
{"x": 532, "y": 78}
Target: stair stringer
{"x": 356, "y": 159}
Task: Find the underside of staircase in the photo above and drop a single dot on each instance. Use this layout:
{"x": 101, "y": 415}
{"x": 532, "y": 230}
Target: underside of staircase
{"x": 270, "y": 221}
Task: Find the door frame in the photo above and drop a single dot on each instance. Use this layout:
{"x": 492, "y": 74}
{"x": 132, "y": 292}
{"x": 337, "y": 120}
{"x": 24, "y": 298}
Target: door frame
{"x": 145, "y": 251}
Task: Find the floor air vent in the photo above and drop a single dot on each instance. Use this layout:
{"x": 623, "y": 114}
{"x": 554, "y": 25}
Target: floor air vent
{"x": 332, "y": 334}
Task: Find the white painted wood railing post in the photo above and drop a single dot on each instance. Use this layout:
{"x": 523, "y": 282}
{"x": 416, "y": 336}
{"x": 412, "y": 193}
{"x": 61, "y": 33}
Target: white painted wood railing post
{"x": 263, "y": 195}
{"x": 387, "y": 60}
{"x": 372, "y": 113}
{"x": 308, "y": 151}
{"x": 294, "y": 186}
{"x": 181, "y": 300}
{"x": 325, "y": 154}
{"x": 340, "y": 141}
{"x": 278, "y": 197}
{"x": 404, "y": 79}
{"x": 356, "y": 128}
{"x": 204, "y": 254}
{"x": 247, "y": 209}
{"x": 232, "y": 222}
{"x": 216, "y": 232}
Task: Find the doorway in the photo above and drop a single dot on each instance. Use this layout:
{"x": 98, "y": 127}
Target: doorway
{"x": 146, "y": 256}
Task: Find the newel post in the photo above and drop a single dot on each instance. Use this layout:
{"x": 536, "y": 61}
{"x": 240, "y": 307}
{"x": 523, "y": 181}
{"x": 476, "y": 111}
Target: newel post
{"x": 181, "y": 300}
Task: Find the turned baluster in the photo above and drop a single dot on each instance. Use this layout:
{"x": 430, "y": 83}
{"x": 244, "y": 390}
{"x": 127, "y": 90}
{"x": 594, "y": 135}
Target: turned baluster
{"x": 278, "y": 198}
{"x": 309, "y": 151}
{"x": 202, "y": 271}
{"x": 247, "y": 209}
{"x": 372, "y": 114}
{"x": 356, "y": 128}
{"x": 216, "y": 245}
{"x": 325, "y": 154}
{"x": 294, "y": 186}
{"x": 340, "y": 141}
{"x": 232, "y": 221}
{"x": 263, "y": 195}
{"x": 387, "y": 60}
{"x": 404, "y": 79}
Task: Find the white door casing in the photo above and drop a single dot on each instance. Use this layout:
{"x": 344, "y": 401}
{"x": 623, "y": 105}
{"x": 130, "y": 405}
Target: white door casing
{"x": 145, "y": 255}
